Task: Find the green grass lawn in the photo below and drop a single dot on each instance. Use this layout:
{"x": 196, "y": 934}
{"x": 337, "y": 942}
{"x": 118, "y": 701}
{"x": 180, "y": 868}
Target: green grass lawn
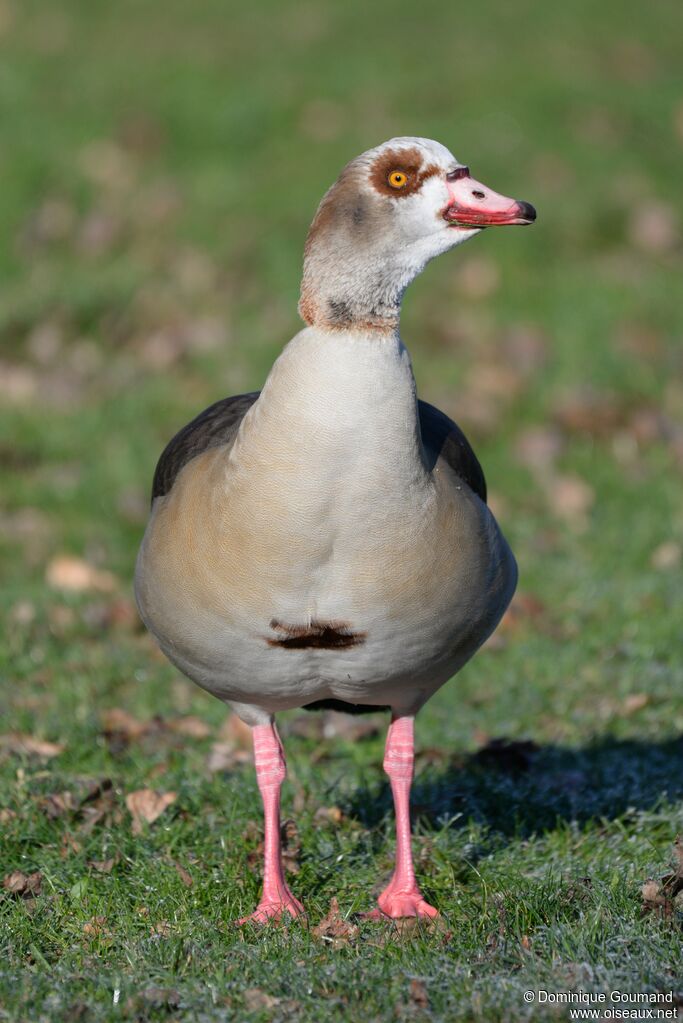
{"x": 159, "y": 166}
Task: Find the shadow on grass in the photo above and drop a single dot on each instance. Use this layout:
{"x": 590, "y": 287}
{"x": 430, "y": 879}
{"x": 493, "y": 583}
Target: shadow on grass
{"x": 519, "y": 789}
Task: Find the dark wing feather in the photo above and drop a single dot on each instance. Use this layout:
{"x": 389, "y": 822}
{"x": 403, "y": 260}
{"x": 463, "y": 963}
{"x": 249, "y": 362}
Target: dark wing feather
{"x": 215, "y": 426}
{"x": 442, "y": 438}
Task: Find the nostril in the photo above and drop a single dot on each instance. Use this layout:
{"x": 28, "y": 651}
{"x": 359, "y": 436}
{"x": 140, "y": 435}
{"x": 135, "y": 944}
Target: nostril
{"x": 478, "y": 195}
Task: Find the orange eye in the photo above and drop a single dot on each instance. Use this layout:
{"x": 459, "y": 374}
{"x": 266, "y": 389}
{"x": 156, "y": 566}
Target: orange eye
{"x": 398, "y": 179}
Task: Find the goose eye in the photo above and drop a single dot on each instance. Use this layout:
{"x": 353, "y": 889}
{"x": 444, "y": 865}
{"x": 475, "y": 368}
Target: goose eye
{"x": 398, "y": 179}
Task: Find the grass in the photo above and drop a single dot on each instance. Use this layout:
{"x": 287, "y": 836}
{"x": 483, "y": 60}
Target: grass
{"x": 159, "y": 171}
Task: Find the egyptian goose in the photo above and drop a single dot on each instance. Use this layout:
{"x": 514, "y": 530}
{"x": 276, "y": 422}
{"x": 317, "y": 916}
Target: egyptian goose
{"x": 327, "y": 543}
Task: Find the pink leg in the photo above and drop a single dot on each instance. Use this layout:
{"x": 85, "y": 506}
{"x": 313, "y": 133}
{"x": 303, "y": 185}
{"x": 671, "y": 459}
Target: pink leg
{"x": 269, "y": 758}
{"x": 401, "y": 897}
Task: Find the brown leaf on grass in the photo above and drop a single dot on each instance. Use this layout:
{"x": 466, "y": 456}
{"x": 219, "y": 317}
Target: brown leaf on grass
{"x": 7, "y": 815}
{"x": 525, "y": 346}
{"x": 570, "y": 498}
{"x": 184, "y": 875}
{"x": 146, "y": 805}
{"x": 105, "y": 866}
{"x": 57, "y": 804}
{"x": 588, "y": 412}
{"x": 16, "y": 742}
{"x": 105, "y": 163}
{"x": 120, "y": 613}
{"x": 102, "y": 808}
{"x": 328, "y": 815}
{"x": 224, "y": 757}
{"x": 65, "y": 572}
{"x": 666, "y": 556}
{"x": 525, "y": 607}
{"x": 96, "y": 928}
{"x": 158, "y": 998}
{"x": 161, "y": 929}
{"x": 81, "y": 801}
{"x": 18, "y": 384}
{"x": 538, "y": 448}
{"x": 634, "y": 702}
{"x": 23, "y": 613}
{"x": 69, "y": 846}
{"x": 352, "y": 727}
{"x": 121, "y": 728}
{"x": 494, "y": 381}
{"x": 117, "y": 720}
{"x": 234, "y": 731}
{"x": 255, "y": 999}
{"x": 477, "y": 277}
{"x": 25, "y": 885}
{"x": 417, "y": 994}
{"x": 653, "y": 227}
{"x": 52, "y": 221}
{"x": 291, "y": 846}
{"x": 664, "y": 896}
{"x": 190, "y": 725}
{"x": 132, "y": 505}
{"x": 334, "y": 928}
{"x": 526, "y": 610}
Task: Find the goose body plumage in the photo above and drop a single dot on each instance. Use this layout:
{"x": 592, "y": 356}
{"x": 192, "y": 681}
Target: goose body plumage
{"x": 327, "y": 541}
{"x": 324, "y": 508}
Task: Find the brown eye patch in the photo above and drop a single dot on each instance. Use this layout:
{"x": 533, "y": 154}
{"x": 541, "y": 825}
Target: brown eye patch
{"x": 400, "y": 161}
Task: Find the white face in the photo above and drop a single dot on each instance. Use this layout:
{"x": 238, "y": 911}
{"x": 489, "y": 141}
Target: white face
{"x": 434, "y": 201}
{"x": 391, "y": 210}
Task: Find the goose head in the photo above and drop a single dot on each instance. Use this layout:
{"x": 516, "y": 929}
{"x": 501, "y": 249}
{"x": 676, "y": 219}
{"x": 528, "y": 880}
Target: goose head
{"x": 391, "y": 210}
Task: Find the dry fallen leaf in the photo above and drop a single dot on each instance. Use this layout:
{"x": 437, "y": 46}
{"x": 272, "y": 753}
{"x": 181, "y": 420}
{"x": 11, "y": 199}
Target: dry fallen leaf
{"x": 117, "y": 720}
{"x": 352, "y": 727}
{"x": 25, "y": 885}
{"x": 66, "y": 572}
{"x": 104, "y": 866}
{"x": 96, "y": 927}
{"x": 224, "y": 757}
{"x": 538, "y": 448}
{"x": 161, "y": 929}
{"x": 653, "y": 227}
{"x": 16, "y": 742}
{"x": 635, "y": 702}
{"x": 256, "y": 999}
{"x": 184, "y": 875}
{"x": 418, "y": 996}
{"x": 159, "y": 998}
{"x": 570, "y": 498}
{"x": 334, "y": 928}
{"x": 191, "y": 726}
{"x": 328, "y": 815}
{"x": 666, "y": 556}
{"x": 69, "y": 845}
{"x": 235, "y": 732}
{"x": 291, "y": 846}
{"x": 100, "y": 808}
{"x": 147, "y": 805}
{"x": 57, "y": 804}
{"x": 664, "y": 896}
{"x": 477, "y": 277}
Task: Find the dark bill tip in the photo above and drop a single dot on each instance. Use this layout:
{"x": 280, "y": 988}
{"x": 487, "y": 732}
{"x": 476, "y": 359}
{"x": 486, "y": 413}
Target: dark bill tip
{"x": 527, "y": 211}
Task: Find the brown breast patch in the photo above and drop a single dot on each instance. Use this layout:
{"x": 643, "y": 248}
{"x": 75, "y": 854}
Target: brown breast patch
{"x": 320, "y": 635}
